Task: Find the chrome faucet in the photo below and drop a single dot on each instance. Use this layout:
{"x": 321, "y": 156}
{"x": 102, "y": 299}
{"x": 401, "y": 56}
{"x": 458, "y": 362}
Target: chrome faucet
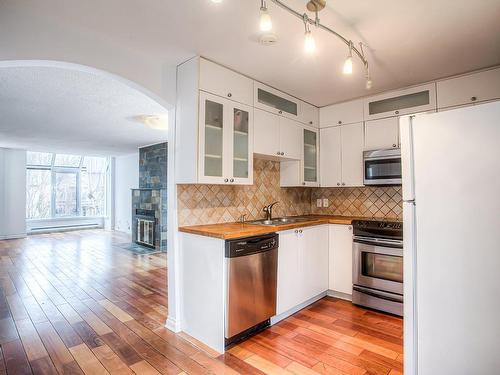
{"x": 269, "y": 210}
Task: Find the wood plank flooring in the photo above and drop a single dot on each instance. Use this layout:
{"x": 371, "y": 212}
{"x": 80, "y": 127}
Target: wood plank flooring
{"x": 76, "y": 303}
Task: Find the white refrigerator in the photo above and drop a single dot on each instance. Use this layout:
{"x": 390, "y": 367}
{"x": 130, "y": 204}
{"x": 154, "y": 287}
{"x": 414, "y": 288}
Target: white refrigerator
{"x": 451, "y": 214}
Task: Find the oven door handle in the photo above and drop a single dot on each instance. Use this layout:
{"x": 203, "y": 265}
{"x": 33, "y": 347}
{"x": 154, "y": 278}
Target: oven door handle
{"x": 379, "y": 294}
{"x": 378, "y": 241}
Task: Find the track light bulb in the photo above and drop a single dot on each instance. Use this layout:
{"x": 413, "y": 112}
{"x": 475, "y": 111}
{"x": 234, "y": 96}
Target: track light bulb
{"x": 348, "y": 65}
{"x": 265, "y": 19}
{"x": 309, "y": 43}
{"x": 369, "y": 83}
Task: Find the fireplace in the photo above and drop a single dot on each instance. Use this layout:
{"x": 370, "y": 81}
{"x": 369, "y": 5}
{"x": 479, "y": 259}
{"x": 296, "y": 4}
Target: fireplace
{"x": 145, "y": 227}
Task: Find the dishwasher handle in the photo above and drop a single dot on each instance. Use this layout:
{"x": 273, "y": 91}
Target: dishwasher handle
{"x": 251, "y": 245}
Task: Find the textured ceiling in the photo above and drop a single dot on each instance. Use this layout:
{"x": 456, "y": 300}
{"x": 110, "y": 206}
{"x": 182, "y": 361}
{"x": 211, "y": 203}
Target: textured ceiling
{"x": 409, "y": 41}
{"x": 58, "y": 109}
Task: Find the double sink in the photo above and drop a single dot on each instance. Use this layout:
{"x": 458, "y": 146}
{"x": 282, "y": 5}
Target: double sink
{"x": 280, "y": 221}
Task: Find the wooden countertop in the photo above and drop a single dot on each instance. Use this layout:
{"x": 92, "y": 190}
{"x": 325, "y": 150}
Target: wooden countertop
{"x": 226, "y": 231}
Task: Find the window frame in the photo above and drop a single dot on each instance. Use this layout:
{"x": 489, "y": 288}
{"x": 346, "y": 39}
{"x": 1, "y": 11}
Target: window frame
{"x": 77, "y": 170}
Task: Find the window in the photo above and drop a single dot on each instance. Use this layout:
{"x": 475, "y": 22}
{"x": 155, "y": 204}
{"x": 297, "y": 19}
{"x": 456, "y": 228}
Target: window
{"x": 61, "y": 185}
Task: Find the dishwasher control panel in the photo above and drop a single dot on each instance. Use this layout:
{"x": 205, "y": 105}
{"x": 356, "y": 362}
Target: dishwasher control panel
{"x": 251, "y": 245}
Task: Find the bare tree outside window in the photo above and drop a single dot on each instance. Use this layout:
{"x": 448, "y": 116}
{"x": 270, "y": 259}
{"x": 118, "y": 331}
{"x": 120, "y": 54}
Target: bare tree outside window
{"x": 38, "y": 193}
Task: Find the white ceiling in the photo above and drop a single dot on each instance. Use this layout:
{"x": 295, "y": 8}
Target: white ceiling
{"x": 65, "y": 110}
{"x": 409, "y": 41}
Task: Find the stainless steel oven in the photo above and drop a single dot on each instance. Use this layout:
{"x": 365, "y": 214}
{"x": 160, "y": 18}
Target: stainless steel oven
{"x": 382, "y": 167}
{"x": 378, "y": 265}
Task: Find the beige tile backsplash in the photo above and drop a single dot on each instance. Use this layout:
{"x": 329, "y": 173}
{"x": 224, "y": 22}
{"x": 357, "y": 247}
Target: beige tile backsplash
{"x": 209, "y": 204}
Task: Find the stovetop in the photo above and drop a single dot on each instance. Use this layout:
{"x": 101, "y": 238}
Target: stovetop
{"x": 378, "y": 229}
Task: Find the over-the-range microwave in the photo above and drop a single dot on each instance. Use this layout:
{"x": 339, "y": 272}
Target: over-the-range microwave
{"x": 382, "y": 167}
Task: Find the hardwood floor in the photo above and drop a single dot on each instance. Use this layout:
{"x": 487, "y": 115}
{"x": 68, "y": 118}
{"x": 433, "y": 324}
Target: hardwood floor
{"x": 76, "y": 303}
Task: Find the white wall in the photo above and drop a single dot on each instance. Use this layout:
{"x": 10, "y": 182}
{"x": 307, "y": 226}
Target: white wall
{"x": 12, "y": 193}
{"x": 126, "y": 178}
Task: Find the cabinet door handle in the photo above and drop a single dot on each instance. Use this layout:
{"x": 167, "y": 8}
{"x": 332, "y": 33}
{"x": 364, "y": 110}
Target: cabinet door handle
{"x": 229, "y": 95}
{"x": 340, "y": 122}
{"x": 280, "y": 112}
{"x": 393, "y": 145}
{"x": 338, "y": 183}
{"x": 226, "y": 180}
{"x": 303, "y": 183}
{"x": 296, "y": 231}
{"x": 350, "y": 228}
{"x": 300, "y": 230}
{"x": 343, "y": 183}
{"x": 231, "y": 180}
{"x": 282, "y": 153}
{"x": 473, "y": 98}
{"x": 310, "y": 122}
{"x": 278, "y": 153}
{"x": 397, "y": 112}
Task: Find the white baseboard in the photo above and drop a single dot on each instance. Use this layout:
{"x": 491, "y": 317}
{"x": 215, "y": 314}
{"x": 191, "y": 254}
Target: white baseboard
{"x": 333, "y": 293}
{"x": 172, "y": 325}
{"x": 13, "y": 236}
{"x": 275, "y": 319}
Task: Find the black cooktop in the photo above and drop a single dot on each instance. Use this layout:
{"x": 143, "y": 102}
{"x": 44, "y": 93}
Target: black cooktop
{"x": 378, "y": 229}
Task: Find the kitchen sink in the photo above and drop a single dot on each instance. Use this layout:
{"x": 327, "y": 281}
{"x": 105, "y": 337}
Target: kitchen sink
{"x": 280, "y": 221}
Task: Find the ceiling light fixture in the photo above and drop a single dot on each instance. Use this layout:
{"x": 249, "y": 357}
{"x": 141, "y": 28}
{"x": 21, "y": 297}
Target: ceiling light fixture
{"x": 157, "y": 122}
{"x": 216, "y": 1}
{"x": 266, "y": 23}
{"x": 309, "y": 43}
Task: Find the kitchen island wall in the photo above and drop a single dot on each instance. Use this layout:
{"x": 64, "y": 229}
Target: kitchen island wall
{"x": 210, "y": 204}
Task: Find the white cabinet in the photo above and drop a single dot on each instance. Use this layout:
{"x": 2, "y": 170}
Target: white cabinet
{"x": 224, "y": 82}
{"x": 225, "y": 133}
{"x": 382, "y": 133}
{"x": 341, "y": 155}
{"x": 302, "y": 266}
{"x": 303, "y": 172}
{"x": 402, "y": 102}
{"x": 342, "y": 113}
{"x": 340, "y": 258}
{"x": 275, "y": 101}
{"x": 309, "y": 114}
{"x": 469, "y": 89}
{"x": 277, "y": 136}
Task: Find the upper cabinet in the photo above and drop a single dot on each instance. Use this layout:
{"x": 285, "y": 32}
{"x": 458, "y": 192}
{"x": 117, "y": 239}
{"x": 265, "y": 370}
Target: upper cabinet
{"x": 469, "y": 89}
{"x": 277, "y": 136}
{"x": 342, "y": 155}
{"x": 224, "y": 82}
{"x": 341, "y": 114}
{"x": 225, "y": 133}
{"x": 275, "y": 101}
{"x": 402, "y": 102}
{"x": 382, "y": 134}
{"x": 309, "y": 114}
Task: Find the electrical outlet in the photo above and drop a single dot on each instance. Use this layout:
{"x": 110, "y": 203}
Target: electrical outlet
{"x": 318, "y": 203}
{"x": 325, "y": 202}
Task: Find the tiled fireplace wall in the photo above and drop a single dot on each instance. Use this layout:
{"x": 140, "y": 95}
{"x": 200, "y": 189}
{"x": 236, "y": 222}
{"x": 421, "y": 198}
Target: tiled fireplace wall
{"x": 207, "y": 204}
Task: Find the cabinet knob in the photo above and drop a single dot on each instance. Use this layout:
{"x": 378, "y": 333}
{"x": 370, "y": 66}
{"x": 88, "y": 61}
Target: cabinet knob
{"x": 278, "y": 153}
{"x": 343, "y": 183}
{"x": 231, "y": 180}
{"x": 226, "y": 180}
{"x": 280, "y": 112}
{"x": 397, "y": 112}
{"x": 340, "y": 122}
{"x": 350, "y": 228}
{"x": 303, "y": 183}
{"x": 473, "y": 98}
{"x": 393, "y": 145}
{"x": 300, "y": 230}
{"x": 310, "y": 122}
{"x": 338, "y": 183}
{"x": 282, "y": 153}
{"x": 229, "y": 95}
{"x": 296, "y": 231}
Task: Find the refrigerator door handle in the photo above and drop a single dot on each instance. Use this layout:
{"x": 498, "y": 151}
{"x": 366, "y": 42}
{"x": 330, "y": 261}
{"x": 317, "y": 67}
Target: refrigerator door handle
{"x": 406, "y": 130}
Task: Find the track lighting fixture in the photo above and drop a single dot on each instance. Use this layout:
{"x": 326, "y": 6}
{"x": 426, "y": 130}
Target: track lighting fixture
{"x": 266, "y": 23}
{"x": 309, "y": 43}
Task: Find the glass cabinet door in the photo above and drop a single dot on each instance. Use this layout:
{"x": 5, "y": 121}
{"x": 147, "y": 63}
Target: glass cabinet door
{"x": 310, "y": 157}
{"x": 212, "y": 137}
{"x": 242, "y": 144}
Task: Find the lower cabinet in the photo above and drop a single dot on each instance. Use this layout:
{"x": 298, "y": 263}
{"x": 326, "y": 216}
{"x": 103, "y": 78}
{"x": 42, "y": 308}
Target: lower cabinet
{"x": 340, "y": 258}
{"x": 302, "y": 266}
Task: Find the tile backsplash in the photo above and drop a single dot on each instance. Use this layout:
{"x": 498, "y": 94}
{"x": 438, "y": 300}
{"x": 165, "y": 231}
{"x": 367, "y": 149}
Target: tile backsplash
{"x": 209, "y": 204}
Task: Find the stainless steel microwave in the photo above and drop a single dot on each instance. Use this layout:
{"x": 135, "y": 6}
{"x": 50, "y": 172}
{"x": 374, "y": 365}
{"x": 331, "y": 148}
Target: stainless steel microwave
{"x": 382, "y": 167}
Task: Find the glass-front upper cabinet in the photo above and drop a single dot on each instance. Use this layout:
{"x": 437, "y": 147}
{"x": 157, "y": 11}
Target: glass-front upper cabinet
{"x": 275, "y": 101}
{"x": 310, "y": 163}
{"x": 226, "y": 141}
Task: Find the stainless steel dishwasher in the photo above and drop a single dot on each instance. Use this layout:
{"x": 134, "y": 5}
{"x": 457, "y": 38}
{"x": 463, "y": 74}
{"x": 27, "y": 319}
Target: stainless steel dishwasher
{"x": 252, "y": 273}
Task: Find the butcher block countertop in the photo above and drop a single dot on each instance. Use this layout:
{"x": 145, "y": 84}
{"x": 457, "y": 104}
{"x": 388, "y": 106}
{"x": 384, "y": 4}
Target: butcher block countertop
{"x": 227, "y": 231}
